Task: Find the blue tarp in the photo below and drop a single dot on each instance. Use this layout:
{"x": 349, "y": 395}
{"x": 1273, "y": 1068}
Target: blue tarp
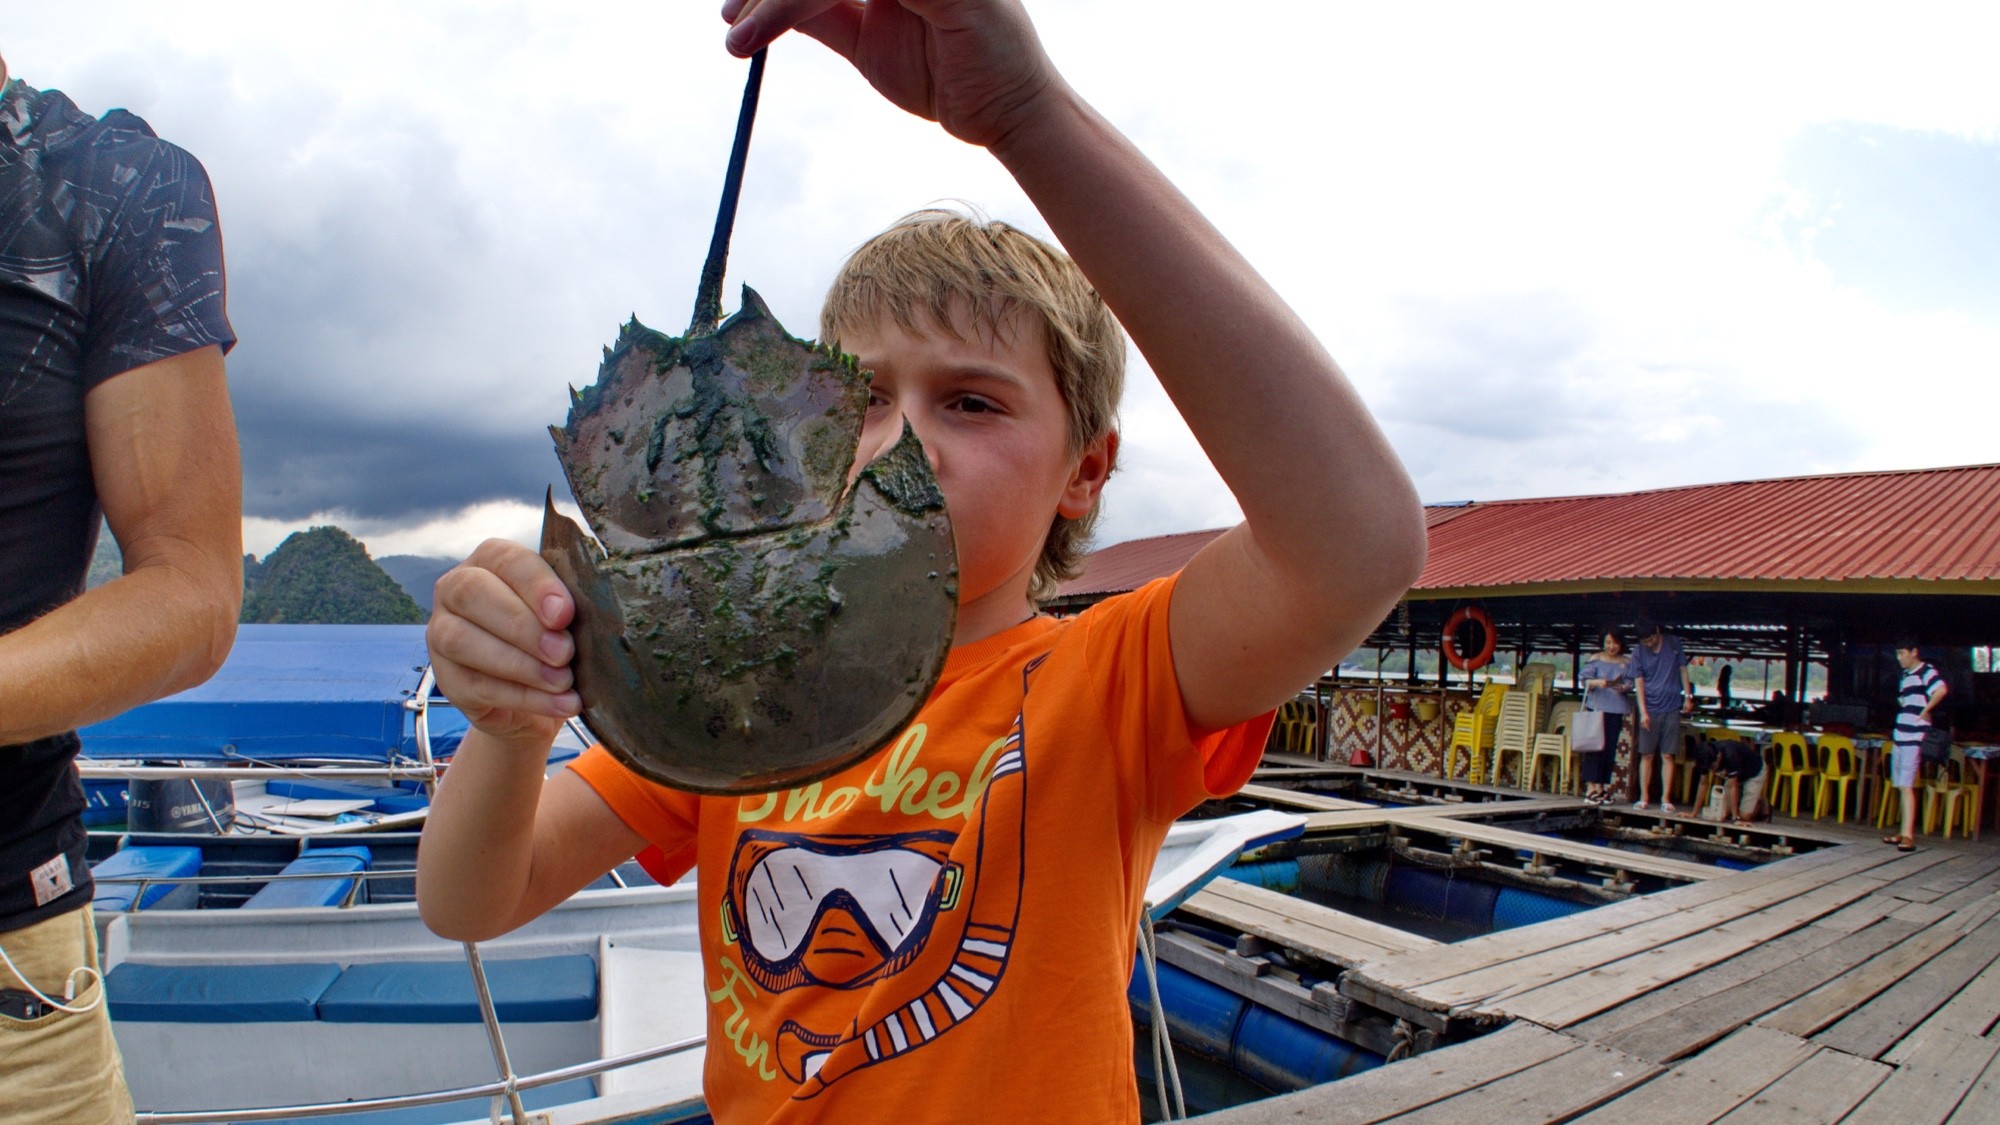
{"x": 287, "y": 692}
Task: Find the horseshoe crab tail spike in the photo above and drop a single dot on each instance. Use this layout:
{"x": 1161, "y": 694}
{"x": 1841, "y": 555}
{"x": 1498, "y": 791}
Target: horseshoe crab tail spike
{"x": 708, "y": 298}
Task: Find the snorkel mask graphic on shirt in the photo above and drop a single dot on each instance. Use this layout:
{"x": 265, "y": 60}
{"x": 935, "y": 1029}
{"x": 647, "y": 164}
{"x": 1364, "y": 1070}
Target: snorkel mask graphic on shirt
{"x": 835, "y": 911}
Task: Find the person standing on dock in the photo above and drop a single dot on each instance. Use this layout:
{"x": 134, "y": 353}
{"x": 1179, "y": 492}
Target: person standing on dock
{"x": 1917, "y": 699}
{"x": 1608, "y": 689}
{"x": 113, "y": 406}
{"x": 1665, "y": 691}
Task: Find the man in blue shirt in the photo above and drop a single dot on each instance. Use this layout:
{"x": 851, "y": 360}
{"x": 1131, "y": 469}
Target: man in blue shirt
{"x": 1665, "y": 691}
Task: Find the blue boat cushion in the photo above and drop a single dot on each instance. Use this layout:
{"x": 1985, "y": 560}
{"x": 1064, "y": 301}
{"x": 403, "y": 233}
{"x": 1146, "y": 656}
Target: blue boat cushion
{"x": 154, "y": 863}
{"x": 528, "y": 990}
{"x": 385, "y": 798}
{"x": 313, "y": 892}
{"x": 216, "y": 993}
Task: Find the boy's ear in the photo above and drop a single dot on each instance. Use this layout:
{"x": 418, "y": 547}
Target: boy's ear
{"x": 1086, "y": 481}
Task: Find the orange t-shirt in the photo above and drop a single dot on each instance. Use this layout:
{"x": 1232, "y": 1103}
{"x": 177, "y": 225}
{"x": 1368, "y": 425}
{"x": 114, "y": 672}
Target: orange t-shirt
{"x": 944, "y": 932}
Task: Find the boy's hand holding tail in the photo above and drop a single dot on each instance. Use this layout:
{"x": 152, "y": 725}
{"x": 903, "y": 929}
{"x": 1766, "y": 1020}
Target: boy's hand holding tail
{"x": 498, "y": 644}
{"x": 976, "y": 68}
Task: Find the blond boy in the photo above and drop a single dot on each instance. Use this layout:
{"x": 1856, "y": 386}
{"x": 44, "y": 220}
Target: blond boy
{"x": 944, "y": 932}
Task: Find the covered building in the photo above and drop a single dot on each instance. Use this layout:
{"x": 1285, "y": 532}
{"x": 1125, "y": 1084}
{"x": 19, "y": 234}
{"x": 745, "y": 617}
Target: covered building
{"x": 1800, "y": 570}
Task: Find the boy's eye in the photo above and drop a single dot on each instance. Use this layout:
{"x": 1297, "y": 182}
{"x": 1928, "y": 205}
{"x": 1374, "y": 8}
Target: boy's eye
{"x": 973, "y": 404}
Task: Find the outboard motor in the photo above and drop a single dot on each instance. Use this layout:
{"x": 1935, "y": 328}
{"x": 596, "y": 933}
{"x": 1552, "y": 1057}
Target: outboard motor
{"x": 205, "y": 805}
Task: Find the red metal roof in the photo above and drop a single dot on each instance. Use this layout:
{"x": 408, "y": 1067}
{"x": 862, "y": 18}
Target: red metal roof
{"x": 1877, "y": 532}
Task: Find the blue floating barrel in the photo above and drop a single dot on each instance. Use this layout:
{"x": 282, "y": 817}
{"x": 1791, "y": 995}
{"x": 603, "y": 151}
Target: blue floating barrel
{"x": 1515, "y": 906}
{"x": 1351, "y": 876}
{"x": 1276, "y": 875}
{"x": 1442, "y": 894}
{"x": 1200, "y": 1015}
{"x": 1281, "y": 1053}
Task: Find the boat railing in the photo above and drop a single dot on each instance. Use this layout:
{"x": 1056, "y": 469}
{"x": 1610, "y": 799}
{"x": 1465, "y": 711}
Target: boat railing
{"x": 495, "y": 1089}
{"x": 393, "y": 771}
{"x": 148, "y": 881}
{"x": 506, "y": 1088}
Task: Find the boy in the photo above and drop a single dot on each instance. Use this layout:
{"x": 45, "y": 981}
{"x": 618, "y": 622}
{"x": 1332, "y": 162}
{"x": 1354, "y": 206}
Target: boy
{"x": 945, "y": 931}
{"x": 1918, "y": 694}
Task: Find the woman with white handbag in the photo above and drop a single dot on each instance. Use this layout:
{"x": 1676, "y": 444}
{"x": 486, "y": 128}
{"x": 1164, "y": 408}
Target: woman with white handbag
{"x": 1594, "y": 731}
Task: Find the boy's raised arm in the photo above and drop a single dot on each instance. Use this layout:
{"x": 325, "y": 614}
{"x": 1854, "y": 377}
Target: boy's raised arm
{"x": 1333, "y": 533}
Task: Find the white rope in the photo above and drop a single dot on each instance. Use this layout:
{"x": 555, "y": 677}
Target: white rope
{"x": 1165, "y": 1073}
{"x": 69, "y": 987}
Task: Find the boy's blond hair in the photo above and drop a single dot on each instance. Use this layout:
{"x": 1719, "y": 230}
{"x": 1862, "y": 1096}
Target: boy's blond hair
{"x": 920, "y": 270}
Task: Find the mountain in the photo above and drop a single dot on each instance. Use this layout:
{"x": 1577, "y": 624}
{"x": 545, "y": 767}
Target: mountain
{"x": 416, "y": 574}
{"x": 323, "y": 576}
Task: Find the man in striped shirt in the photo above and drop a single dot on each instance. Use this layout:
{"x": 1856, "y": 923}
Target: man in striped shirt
{"x": 1917, "y": 697}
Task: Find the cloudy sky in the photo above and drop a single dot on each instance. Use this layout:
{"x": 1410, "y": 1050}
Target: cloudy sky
{"x": 1560, "y": 247}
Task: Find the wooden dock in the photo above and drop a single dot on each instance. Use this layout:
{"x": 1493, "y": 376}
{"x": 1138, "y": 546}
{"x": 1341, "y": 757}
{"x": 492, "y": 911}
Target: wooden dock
{"x": 1851, "y": 984}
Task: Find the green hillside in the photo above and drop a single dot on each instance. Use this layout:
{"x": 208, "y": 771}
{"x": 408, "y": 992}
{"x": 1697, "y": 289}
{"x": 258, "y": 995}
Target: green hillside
{"x": 323, "y": 576}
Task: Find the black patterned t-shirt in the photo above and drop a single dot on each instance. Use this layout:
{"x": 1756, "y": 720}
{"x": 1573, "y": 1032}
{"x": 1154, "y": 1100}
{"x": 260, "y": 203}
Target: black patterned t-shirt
{"x": 110, "y": 259}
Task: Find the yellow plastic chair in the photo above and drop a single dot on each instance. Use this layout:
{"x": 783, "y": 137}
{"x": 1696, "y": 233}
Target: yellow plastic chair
{"x": 1685, "y": 775}
{"x": 1944, "y": 785}
{"x": 1465, "y": 736}
{"x": 1975, "y": 793}
{"x": 1889, "y": 799}
{"x": 1794, "y": 767}
{"x": 1839, "y": 765}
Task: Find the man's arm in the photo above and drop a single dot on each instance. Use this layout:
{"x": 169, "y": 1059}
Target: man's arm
{"x": 1936, "y": 697}
{"x": 1333, "y": 533}
{"x": 163, "y": 451}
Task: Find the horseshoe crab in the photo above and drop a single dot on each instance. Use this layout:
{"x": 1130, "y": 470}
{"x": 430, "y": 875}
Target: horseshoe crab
{"x": 753, "y": 620}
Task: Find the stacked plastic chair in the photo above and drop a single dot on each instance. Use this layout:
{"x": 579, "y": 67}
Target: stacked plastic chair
{"x": 1520, "y": 720}
{"x": 1466, "y": 730}
{"x": 1839, "y": 766}
{"x": 1795, "y": 768}
{"x": 1537, "y": 678}
{"x": 1296, "y": 729}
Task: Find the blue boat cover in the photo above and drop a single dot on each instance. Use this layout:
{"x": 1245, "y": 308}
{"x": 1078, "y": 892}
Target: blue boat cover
{"x": 289, "y": 691}
{"x": 381, "y": 798}
{"x": 529, "y": 990}
{"x": 216, "y": 993}
{"x": 147, "y": 862}
{"x": 312, "y": 892}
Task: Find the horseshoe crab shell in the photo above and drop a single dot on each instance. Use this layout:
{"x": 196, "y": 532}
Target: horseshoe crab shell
{"x": 752, "y": 621}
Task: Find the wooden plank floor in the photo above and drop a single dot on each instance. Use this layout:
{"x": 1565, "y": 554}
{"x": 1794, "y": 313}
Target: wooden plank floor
{"x": 1852, "y": 984}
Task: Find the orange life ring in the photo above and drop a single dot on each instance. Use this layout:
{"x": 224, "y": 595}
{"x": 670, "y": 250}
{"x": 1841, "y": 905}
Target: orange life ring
{"x": 1467, "y": 662}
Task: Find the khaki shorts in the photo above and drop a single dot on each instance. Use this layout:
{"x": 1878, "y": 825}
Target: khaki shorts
{"x": 60, "y": 1068}
{"x": 1751, "y": 793}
